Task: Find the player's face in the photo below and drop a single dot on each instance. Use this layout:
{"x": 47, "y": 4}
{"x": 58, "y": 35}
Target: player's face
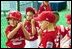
{"x": 29, "y": 15}
{"x": 13, "y": 22}
{"x": 44, "y": 25}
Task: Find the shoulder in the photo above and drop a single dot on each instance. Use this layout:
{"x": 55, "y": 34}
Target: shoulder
{"x": 8, "y": 27}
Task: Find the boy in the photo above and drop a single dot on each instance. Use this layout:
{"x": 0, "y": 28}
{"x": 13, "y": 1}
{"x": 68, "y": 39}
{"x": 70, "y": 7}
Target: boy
{"x": 66, "y": 41}
{"x": 14, "y": 32}
{"x": 50, "y": 33}
{"x": 30, "y": 25}
{"x": 46, "y": 18}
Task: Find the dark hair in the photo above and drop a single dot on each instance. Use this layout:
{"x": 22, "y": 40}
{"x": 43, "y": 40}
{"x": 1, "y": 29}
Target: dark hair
{"x": 30, "y": 9}
{"x": 55, "y": 12}
{"x": 32, "y": 12}
{"x": 9, "y": 23}
{"x": 56, "y": 15}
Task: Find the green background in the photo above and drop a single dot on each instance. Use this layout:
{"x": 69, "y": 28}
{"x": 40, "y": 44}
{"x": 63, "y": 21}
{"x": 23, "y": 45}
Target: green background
{"x": 62, "y": 21}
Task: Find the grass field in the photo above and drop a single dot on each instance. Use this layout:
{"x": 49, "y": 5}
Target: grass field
{"x": 62, "y": 21}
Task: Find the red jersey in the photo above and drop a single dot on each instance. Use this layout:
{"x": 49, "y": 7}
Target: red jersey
{"x": 44, "y": 8}
{"x": 69, "y": 35}
{"x": 48, "y": 39}
{"x": 69, "y": 32}
{"x": 29, "y": 29}
{"x": 17, "y": 41}
{"x": 66, "y": 41}
{"x": 63, "y": 30}
{"x": 51, "y": 39}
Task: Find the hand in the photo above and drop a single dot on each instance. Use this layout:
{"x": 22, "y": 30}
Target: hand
{"x": 39, "y": 31}
{"x": 23, "y": 23}
{"x": 19, "y": 24}
{"x": 32, "y": 21}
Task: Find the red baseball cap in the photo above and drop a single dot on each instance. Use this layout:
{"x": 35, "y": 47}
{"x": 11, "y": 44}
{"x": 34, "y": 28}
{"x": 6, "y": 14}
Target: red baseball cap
{"x": 46, "y": 15}
{"x": 30, "y": 9}
{"x": 68, "y": 17}
{"x": 14, "y": 14}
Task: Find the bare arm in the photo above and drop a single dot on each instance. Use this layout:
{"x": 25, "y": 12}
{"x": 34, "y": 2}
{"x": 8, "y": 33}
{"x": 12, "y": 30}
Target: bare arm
{"x": 26, "y": 33}
{"x": 33, "y": 27}
{"x": 40, "y": 33}
{"x": 14, "y": 31}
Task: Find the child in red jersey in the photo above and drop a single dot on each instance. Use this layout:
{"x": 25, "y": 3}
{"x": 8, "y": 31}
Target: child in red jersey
{"x": 47, "y": 18}
{"x": 50, "y": 33}
{"x": 15, "y": 35}
{"x": 45, "y": 6}
{"x": 66, "y": 41}
{"x": 61, "y": 28}
{"x": 30, "y": 26}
